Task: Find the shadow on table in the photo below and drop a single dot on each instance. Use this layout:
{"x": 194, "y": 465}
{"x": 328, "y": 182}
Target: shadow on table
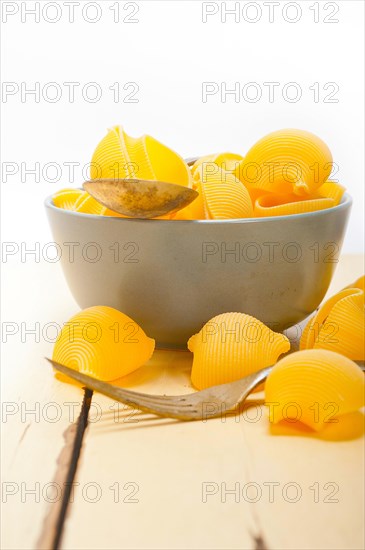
{"x": 169, "y": 368}
{"x": 133, "y": 421}
{"x": 349, "y": 427}
{"x": 125, "y": 418}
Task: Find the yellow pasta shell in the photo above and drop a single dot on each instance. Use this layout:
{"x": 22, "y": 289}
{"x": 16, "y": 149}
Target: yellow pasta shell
{"x": 332, "y": 190}
{"x": 339, "y": 325}
{"x": 233, "y": 345}
{"x": 121, "y": 156}
{"x": 104, "y": 343}
{"x": 88, "y": 205}
{"x": 67, "y": 198}
{"x": 227, "y": 161}
{"x": 314, "y": 387}
{"x": 359, "y": 283}
{"x": 195, "y": 210}
{"x": 271, "y": 204}
{"x": 224, "y": 195}
{"x": 287, "y": 161}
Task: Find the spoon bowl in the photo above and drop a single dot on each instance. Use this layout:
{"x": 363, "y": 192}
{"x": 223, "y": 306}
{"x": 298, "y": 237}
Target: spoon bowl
{"x": 137, "y": 198}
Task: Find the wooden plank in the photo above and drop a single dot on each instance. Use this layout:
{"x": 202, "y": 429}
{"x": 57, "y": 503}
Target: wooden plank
{"x": 37, "y": 410}
{"x": 32, "y": 443}
{"x": 146, "y": 475}
{"x": 67, "y": 465}
{"x": 156, "y": 483}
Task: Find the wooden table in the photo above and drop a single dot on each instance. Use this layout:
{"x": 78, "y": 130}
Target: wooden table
{"x": 148, "y": 483}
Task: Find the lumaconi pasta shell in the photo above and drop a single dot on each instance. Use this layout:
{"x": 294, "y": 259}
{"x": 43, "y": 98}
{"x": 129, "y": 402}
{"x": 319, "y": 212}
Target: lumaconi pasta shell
{"x": 88, "y": 205}
{"x": 272, "y": 204}
{"x": 112, "y": 159}
{"x": 287, "y": 161}
{"x": 339, "y": 325}
{"x": 314, "y": 387}
{"x": 67, "y": 198}
{"x": 195, "y": 210}
{"x": 233, "y": 345}
{"x": 224, "y": 195}
{"x": 167, "y": 165}
{"x": 121, "y": 156}
{"x": 227, "y": 161}
{"x": 332, "y": 190}
{"x": 104, "y": 343}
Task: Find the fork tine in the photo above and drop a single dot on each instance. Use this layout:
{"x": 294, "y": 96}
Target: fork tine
{"x": 168, "y": 411}
{"x": 164, "y": 411}
{"x": 143, "y": 401}
{"x": 153, "y": 397}
{"x": 154, "y": 400}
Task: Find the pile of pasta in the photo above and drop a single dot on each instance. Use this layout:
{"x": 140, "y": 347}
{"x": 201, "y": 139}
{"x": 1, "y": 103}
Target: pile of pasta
{"x": 107, "y": 344}
{"x": 320, "y": 382}
{"x": 286, "y": 172}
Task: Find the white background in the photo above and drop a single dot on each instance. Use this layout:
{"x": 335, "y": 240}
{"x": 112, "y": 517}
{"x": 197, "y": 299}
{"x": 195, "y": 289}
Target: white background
{"x": 169, "y": 52}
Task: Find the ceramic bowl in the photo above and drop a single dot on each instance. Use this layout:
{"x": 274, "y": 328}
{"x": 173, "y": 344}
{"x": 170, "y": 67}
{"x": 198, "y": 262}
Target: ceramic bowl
{"x": 172, "y": 276}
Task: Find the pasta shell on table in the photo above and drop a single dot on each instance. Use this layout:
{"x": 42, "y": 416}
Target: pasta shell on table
{"x": 338, "y": 325}
{"x": 287, "y": 161}
{"x": 224, "y": 195}
{"x": 227, "y": 161}
{"x": 231, "y": 346}
{"x": 121, "y": 156}
{"x": 104, "y": 343}
{"x": 314, "y": 387}
{"x": 67, "y": 198}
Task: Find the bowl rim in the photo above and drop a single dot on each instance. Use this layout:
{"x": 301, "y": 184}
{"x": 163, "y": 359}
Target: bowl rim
{"x": 345, "y": 202}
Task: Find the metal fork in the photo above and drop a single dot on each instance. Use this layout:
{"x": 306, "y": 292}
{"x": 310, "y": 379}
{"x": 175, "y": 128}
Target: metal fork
{"x": 201, "y": 405}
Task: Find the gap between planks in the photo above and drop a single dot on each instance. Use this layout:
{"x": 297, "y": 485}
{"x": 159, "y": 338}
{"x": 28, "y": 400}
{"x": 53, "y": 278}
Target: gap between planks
{"x": 67, "y": 463}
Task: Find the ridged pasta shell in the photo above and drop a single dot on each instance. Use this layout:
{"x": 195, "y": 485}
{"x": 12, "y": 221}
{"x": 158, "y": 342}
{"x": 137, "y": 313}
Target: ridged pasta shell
{"x": 332, "y": 190}
{"x": 67, "y": 198}
{"x": 195, "y": 210}
{"x": 121, "y": 156}
{"x": 314, "y": 387}
{"x": 233, "y": 345}
{"x": 339, "y": 325}
{"x": 287, "y": 161}
{"x": 272, "y": 204}
{"x": 88, "y": 205}
{"x": 224, "y": 195}
{"x": 227, "y": 161}
{"x": 104, "y": 343}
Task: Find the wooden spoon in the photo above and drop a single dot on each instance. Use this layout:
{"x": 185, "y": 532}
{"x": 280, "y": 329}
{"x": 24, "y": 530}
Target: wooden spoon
{"x": 137, "y": 198}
